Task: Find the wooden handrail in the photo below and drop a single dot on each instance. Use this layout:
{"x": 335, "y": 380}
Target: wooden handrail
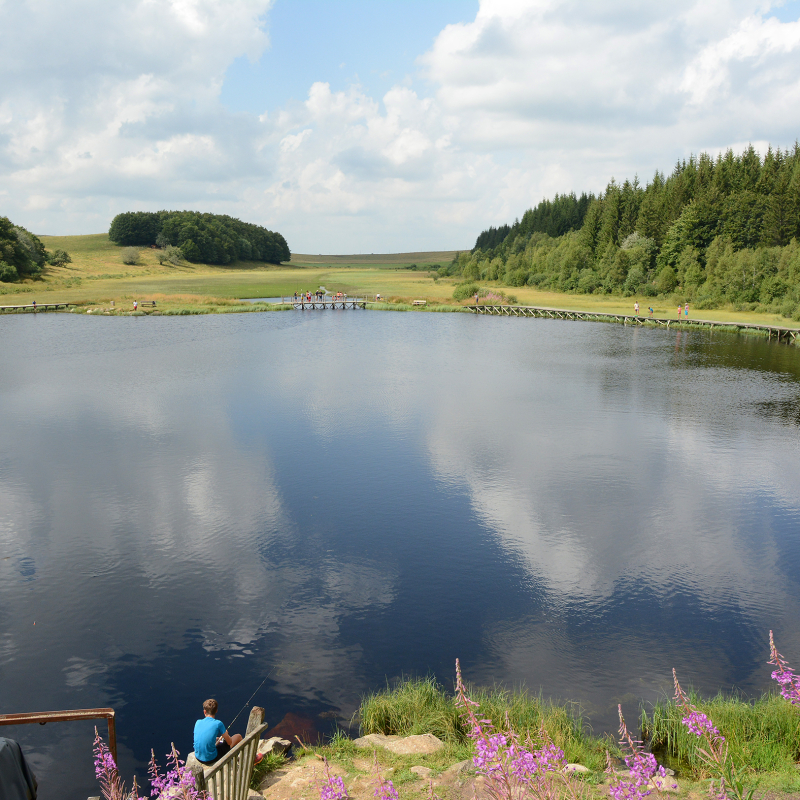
{"x": 43, "y": 717}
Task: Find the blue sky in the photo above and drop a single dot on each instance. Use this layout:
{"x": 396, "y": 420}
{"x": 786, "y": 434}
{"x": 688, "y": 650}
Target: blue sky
{"x": 374, "y": 126}
{"x": 375, "y": 44}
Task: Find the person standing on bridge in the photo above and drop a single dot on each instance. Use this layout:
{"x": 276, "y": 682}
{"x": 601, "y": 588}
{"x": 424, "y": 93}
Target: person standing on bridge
{"x": 651, "y": 311}
{"x": 636, "y": 308}
{"x": 680, "y": 308}
{"x": 686, "y": 310}
{"x": 476, "y": 298}
{"x": 34, "y": 306}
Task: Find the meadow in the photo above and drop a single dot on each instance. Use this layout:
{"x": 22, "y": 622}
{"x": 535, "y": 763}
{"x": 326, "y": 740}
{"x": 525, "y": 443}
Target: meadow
{"x": 97, "y": 276}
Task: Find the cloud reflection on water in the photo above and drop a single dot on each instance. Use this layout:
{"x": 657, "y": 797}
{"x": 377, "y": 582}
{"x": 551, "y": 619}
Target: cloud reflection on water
{"x": 280, "y": 487}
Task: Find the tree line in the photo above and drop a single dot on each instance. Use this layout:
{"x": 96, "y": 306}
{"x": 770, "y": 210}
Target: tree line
{"x": 204, "y": 238}
{"x": 715, "y": 231}
{"x": 22, "y": 254}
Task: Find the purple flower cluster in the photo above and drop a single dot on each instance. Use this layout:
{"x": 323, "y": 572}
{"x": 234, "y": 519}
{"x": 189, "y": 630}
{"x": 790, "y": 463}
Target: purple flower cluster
{"x": 178, "y": 780}
{"x": 107, "y": 774}
{"x": 699, "y": 724}
{"x": 385, "y": 790}
{"x": 512, "y": 770}
{"x": 332, "y": 788}
{"x": 643, "y": 767}
{"x": 789, "y": 682}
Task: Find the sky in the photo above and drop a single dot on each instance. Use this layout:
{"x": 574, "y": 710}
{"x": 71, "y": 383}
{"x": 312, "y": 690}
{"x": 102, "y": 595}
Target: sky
{"x": 360, "y": 127}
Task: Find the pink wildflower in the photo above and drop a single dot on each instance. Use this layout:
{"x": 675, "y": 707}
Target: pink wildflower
{"x": 789, "y": 682}
{"x": 643, "y": 767}
{"x": 333, "y": 786}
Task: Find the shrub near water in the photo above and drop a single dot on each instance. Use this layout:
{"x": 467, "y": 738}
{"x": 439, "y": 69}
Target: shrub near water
{"x": 417, "y": 706}
{"x": 465, "y": 290}
{"x": 763, "y": 734}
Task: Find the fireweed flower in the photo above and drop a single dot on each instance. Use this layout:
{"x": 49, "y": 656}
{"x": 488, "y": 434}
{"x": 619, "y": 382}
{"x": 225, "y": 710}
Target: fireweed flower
{"x": 107, "y": 774}
{"x": 700, "y": 724}
{"x": 385, "y": 790}
{"x": 513, "y": 771}
{"x": 178, "y": 780}
{"x": 643, "y": 767}
{"x": 332, "y": 788}
{"x": 715, "y": 752}
{"x": 788, "y": 681}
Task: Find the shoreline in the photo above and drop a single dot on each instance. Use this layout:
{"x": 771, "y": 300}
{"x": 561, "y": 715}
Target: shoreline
{"x": 784, "y": 333}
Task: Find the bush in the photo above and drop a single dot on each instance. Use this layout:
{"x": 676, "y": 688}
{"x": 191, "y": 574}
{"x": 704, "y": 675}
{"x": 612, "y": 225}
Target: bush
{"x": 58, "y": 258}
{"x": 517, "y": 277}
{"x": 130, "y": 255}
{"x": 465, "y": 290}
{"x": 666, "y": 280}
{"x": 170, "y": 255}
{"x": 8, "y": 272}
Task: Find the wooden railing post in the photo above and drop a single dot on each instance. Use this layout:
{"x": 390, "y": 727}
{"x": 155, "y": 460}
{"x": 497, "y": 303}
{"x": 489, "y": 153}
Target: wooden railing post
{"x": 255, "y": 719}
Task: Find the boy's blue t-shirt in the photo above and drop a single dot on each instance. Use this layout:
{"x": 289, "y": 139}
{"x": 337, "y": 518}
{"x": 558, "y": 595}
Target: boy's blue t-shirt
{"x": 206, "y": 733}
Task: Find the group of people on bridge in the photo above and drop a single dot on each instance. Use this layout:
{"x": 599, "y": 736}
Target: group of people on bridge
{"x": 318, "y": 295}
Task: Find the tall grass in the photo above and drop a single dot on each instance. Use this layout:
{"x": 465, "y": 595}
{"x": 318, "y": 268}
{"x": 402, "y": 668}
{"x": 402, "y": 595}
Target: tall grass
{"x": 762, "y": 735}
{"x": 421, "y": 705}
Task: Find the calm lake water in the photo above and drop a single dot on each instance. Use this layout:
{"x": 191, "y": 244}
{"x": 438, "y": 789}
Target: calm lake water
{"x": 335, "y": 499}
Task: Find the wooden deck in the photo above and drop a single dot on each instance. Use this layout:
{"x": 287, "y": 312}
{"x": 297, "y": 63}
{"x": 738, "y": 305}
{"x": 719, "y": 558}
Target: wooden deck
{"x": 781, "y": 334}
{"x": 38, "y": 307}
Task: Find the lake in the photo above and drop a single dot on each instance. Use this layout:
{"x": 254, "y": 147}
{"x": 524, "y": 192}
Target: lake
{"x": 330, "y": 500}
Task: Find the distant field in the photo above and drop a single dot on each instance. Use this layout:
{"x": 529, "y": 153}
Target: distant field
{"x": 438, "y": 257}
{"x": 97, "y": 276}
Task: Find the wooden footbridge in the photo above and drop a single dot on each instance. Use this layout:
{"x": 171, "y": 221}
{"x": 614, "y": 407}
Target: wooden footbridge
{"x": 789, "y": 335}
{"x": 316, "y": 303}
{"x": 36, "y": 307}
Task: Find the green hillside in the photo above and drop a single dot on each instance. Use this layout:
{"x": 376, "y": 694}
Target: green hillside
{"x": 715, "y": 232}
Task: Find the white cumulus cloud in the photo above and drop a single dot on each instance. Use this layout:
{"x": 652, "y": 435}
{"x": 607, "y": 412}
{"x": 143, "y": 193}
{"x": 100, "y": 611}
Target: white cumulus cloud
{"x": 530, "y": 98}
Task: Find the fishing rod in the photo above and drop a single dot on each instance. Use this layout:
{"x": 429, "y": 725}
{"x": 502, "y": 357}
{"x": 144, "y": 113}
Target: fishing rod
{"x": 247, "y": 702}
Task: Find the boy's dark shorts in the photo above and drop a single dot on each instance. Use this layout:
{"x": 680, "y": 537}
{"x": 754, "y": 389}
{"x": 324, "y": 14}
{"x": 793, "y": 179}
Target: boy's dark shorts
{"x": 222, "y": 748}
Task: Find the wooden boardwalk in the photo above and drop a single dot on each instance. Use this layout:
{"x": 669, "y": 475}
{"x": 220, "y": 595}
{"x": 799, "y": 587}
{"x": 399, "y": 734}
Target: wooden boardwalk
{"x": 36, "y": 308}
{"x": 314, "y": 304}
{"x": 790, "y": 335}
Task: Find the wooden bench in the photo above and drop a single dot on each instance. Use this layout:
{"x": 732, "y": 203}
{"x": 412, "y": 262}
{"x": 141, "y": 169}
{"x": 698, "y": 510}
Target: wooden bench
{"x": 149, "y": 303}
{"x": 419, "y": 302}
{"x": 229, "y": 778}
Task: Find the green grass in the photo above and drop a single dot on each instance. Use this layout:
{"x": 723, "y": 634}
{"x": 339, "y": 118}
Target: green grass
{"x": 762, "y": 735}
{"x": 269, "y": 763}
{"x": 422, "y": 706}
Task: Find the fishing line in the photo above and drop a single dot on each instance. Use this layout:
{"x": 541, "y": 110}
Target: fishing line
{"x": 247, "y": 703}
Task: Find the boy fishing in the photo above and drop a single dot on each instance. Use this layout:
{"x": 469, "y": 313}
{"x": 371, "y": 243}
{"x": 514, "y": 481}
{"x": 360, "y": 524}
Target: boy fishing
{"x": 211, "y": 740}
